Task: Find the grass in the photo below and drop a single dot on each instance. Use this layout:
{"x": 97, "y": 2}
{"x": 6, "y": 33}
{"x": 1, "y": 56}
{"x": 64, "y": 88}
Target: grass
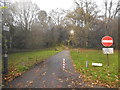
{"x": 105, "y": 76}
{"x": 24, "y": 60}
{"x": 21, "y": 62}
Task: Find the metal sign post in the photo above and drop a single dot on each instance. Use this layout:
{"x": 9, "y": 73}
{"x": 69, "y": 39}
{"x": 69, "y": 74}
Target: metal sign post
{"x": 107, "y": 60}
{"x": 5, "y": 29}
{"x": 5, "y": 62}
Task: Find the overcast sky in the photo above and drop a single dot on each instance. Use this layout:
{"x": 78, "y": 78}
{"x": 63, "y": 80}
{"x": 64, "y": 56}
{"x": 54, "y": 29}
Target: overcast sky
{"x": 47, "y": 5}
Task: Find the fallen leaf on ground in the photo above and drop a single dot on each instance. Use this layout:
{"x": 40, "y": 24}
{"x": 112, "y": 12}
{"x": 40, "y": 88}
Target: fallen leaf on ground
{"x": 69, "y": 85}
{"x": 43, "y": 73}
{"x": 44, "y": 81}
{"x": 53, "y": 73}
{"x": 80, "y": 83}
{"x": 30, "y": 82}
{"x": 67, "y": 79}
{"x": 79, "y": 76}
{"x": 72, "y": 81}
{"x": 61, "y": 81}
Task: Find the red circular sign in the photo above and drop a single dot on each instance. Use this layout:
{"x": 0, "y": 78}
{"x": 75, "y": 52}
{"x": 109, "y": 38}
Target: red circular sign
{"x": 107, "y": 41}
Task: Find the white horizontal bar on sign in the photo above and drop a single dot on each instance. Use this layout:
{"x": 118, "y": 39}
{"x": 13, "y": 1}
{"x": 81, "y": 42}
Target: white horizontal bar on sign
{"x": 107, "y": 41}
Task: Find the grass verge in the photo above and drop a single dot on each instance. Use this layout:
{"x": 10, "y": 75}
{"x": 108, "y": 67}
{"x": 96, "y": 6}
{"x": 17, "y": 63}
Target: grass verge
{"x": 104, "y": 76}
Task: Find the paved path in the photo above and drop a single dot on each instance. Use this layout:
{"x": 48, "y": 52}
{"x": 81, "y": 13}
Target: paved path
{"x": 50, "y": 74}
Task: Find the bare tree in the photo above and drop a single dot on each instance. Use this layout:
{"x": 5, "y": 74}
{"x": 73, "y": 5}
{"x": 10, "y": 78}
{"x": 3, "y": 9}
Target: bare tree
{"x": 57, "y": 15}
{"x": 25, "y": 14}
{"x": 117, "y": 8}
{"x": 109, "y": 14}
{"x": 21, "y": 18}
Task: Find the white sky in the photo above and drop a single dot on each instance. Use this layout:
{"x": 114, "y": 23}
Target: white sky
{"x": 47, "y": 5}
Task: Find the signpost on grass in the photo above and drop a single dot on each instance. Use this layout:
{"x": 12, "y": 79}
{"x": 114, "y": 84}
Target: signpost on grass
{"x": 107, "y": 41}
{"x": 5, "y": 29}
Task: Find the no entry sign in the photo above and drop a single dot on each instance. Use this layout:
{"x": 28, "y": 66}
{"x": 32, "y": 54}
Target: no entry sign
{"x": 107, "y": 41}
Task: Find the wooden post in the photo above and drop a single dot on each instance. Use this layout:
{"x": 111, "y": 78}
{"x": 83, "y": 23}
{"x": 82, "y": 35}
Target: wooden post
{"x": 86, "y": 63}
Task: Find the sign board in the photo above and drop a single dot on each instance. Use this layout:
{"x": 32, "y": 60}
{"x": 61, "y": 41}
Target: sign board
{"x": 96, "y": 64}
{"x": 6, "y": 28}
{"x": 107, "y": 50}
{"x": 107, "y": 41}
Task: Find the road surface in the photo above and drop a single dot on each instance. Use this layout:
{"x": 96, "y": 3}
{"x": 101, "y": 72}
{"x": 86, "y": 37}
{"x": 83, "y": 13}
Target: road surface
{"x": 50, "y": 74}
